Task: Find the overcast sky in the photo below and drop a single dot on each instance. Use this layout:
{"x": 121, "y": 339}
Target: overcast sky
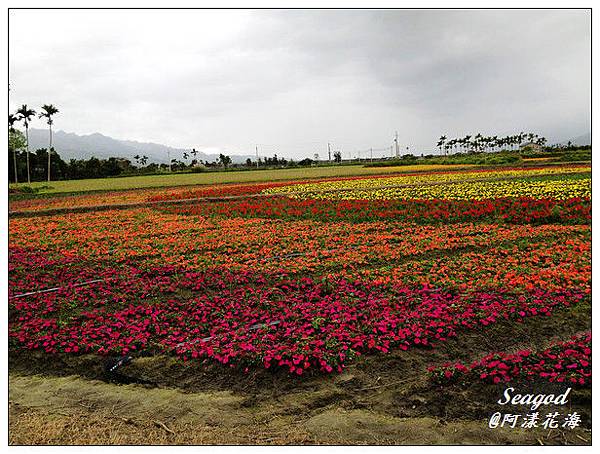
{"x": 291, "y": 81}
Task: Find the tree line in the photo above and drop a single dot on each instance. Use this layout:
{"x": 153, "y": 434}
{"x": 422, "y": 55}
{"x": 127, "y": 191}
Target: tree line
{"x": 35, "y": 167}
{"x": 480, "y": 143}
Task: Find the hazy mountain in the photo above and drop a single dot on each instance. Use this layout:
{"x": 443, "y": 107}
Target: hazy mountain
{"x": 585, "y": 139}
{"x": 69, "y": 145}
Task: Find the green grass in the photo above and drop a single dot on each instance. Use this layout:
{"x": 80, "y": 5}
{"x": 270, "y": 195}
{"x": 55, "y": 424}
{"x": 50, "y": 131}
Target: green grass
{"x": 184, "y": 179}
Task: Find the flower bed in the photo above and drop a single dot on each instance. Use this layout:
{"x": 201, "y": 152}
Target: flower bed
{"x": 564, "y": 362}
{"x": 268, "y": 321}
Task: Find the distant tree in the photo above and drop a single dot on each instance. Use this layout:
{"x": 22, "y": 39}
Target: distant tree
{"x": 224, "y": 160}
{"x": 477, "y": 142}
{"x": 143, "y": 160}
{"x": 305, "y": 162}
{"x": 16, "y": 141}
{"x": 16, "y": 144}
{"x": 25, "y": 116}
{"x": 48, "y": 110}
{"x": 337, "y": 156}
{"x": 466, "y": 142}
{"x": 248, "y": 162}
{"x": 441, "y": 143}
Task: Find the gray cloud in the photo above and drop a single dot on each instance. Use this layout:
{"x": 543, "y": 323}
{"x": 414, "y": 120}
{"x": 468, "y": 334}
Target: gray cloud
{"x": 294, "y": 80}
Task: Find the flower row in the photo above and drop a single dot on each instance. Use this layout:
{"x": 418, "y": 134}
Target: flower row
{"x": 559, "y": 189}
{"x": 462, "y": 256}
{"x": 253, "y": 319}
{"x": 522, "y": 210}
{"x": 458, "y": 185}
{"x": 564, "y": 362}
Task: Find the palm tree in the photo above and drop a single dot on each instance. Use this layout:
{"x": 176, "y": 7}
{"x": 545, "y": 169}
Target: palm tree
{"x": 47, "y": 111}
{"x": 467, "y": 143}
{"x": 477, "y": 141}
{"x": 12, "y": 119}
{"x": 25, "y": 117}
{"x": 455, "y": 144}
{"x": 440, "y": 143}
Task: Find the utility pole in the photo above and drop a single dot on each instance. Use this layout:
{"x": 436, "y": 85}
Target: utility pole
{"x": 329, "y": 151}
{"x": 397, "y": 147}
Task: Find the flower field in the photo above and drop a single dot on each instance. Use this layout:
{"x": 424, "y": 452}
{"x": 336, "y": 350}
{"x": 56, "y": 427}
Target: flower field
{"x": 303, "y": 279}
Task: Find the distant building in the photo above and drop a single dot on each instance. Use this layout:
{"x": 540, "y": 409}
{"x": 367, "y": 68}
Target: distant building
{"x": 531, "y": 146}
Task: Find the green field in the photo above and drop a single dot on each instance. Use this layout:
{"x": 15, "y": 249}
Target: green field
{"x": 184, "y": 179}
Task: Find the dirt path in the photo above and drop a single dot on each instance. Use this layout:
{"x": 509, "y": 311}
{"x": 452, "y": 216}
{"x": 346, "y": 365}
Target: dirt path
{"x": 73, "y": 410}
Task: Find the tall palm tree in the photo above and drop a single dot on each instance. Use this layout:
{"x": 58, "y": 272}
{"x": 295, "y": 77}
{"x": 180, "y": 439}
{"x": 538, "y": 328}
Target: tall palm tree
{"x": 477, "y": 141}
{"x": 12, "y": 119}
{"x": 467, "y": 142}
{"x": 47, "y": 111}
{"x": 440, "y": 143}
{"x": 452, "y": 144}
{"x": 26, "y": 115}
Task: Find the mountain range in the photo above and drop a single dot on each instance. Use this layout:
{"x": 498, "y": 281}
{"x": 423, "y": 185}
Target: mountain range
{"x": 73, "y": 146}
